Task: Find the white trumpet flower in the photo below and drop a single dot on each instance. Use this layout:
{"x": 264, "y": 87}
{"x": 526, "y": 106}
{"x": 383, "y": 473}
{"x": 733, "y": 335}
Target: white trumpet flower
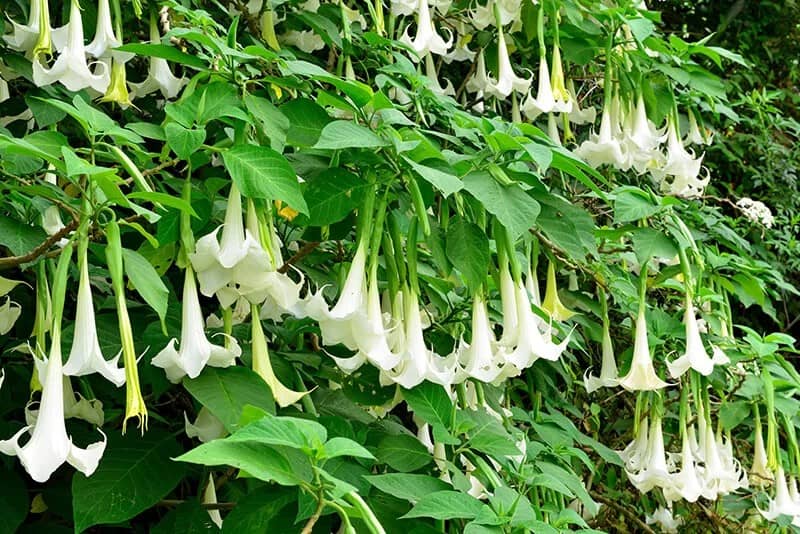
{"x": 159, "y": 75}
{"x": 696, "y": 357}
{"x": 483, "y": 15}
{"x": 579, "y": 116}
{"x": 71, "y": 69}
{"x": 760, "y": 471}
{"x": 544, "y": 101}
{"x": 433, "y": 76}
{"x": 635, "y": 454}
{"x": 24, "y": 37}
{"x": 680, "y": 175}
{"x": 686, "y": 483}
{"x": 641, "y": 376}
{"x": 50, "y": 445}
{"x": 195, "y": 350}
{"x": 530, "y": 343}
{"x": 781, "y": 503}
{"x": 85, "y": 357}
{"x": 206, "y": 426}
{"x": 507, "y": 81}
{"x": 609, "y": 376}
{"x": 604, "y": 148}
{"x": 654, "y": 472}
{"x": 663, "y": 517}
{"x": 427, "y": 40}
{"x": 105, "y": 39}
{"x": 694, "y": 135}
{"x": 403, "y": 7}
{"x": 642, "y": 139}
{"x": 479, "y": 358}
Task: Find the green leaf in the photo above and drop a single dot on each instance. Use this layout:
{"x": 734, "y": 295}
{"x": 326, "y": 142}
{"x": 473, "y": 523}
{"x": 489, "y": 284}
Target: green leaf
{"x": 570, "y": 227}
{"x": 20, "y": 238}
{"x": 260, "y": 172}
{"x": 164, "y": 199}
{"x": 187, "y": 518}
{"x": 430, "y": 402}
{"x": 289, "y": 432}
{"x": 446, "y": 504}
{"x": 220, "y": 99}
{"x": 14, "y": 503}
{"x": 443, "y": 181}
{"x": 649, "y": 242}
{"x": 259, "y": 510}
{"x": 468, "y": 251}
{"x": 403, "y": 453}
{"x": 184, "y": 141}
{"x": 135, "y": 473}
{"x": 489, "y": 436}
{"x": 512, "y": 206}
{"x": 306, "y": 121}
{"x": 170, "y": 53}
{"x": 332, "y": 194}
{"x": 633, "y": 204}
{"x": 226, "y": 391}
{"x": 410, "y": 487}
{"x": 256, "y": 459}
{"x": 77, "y": 166}
{"x": 146, "y": 281}
{"x": 346, "y": 134}
{"x": 274, "y": 124}
{"x": 339, "y": 446}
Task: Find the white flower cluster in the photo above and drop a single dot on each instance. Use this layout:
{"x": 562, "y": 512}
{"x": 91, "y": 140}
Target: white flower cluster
{"x": 756, "y": 211}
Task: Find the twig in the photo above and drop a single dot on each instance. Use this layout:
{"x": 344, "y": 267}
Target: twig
{"x": 160, "y": 167}
{"x": 304, "y": 251}
{"x": 644, "y": 527}
{"x": 15, "y": 261}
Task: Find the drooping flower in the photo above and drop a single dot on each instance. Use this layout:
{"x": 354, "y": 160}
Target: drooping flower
{"x": 722, "y": 473}
{"x": 195, "y": 350}
{"x": 609, "y": 376}
{"x": 696, "y": 357}
{"x": 105, "y": 40}
{"x": 635, "y": 453}
{"x": 544, "y": 101}
{"x": 117, "y": 91}
{"x": 210, "y": 497}
{"x": 654, "y": 471}
{"x": 641, "y": 376}
{"x": 159, "y": 75}
{"x": 579, "y": 116}
{"x": 433, "y": 77}
{"x": 427, "y": 40}
{"x": 479, "y": 358}
{"x": 680, "y": 175}
{"x": 686, "y": 483}
{"x": 604, "y": 148}
{"x": 696, "y": 137}
{"x": 9, "y": 313}
{"x": 206, "y": 427}
{"x": 29, "y": 39}
{"x": 507, "y": 81}
{"x": 85, "y": 356}
{"x": 781, "y": 503}
{"x": 71, "y": 68}
{"x": 49, "y": 445}
{"x": 562, "y": 103}
{"x": 642, "y": 139}
{"x": 663, "y": 516}
{"x": 760, "y": 471}
{"x": 483, "y": 15}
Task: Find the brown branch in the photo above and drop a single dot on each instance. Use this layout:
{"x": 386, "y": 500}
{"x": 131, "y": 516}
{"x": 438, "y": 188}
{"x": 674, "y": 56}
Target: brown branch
{"x": 644, "y": 527}
{"x": 15, "y": 261}
{"x": 160, "y": 167}
{"x": 304, "y": 251}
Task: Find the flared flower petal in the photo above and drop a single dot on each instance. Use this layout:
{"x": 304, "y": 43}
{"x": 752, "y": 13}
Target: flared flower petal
{"x": 507, "y": 81}
{"x": 642, "y": 375}
{"x": 551, "y": 303}
{"x": 479, "y": 359}
{"x": 544, "y": 101}
{"x": 696, "y": 357}
{"x": 427, "y": 40}
{"x": 9, "y": 313}
{"x": 609, "y": 376}
{"x": 206, "y": 426}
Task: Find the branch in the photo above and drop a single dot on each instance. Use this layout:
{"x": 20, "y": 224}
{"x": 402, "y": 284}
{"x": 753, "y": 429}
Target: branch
{"x": 309, "y": 526}
{"x": 643, "y": 527}
{"x": 304, "y": 251}
{"x": 15, "y": 261}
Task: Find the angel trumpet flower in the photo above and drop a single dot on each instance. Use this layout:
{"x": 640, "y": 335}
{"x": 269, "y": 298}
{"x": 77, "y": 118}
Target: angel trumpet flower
{"x": 506, "y": 81}
{"x": 760, "y": 471}
{"x": 117, "y": 91}
{"x": 551, "y": 303}
{"x": 641, "y": 376}
{"x": 561, "y": 97}
{"x": 544, "y": 101}
{"x": 643, "y": 138}
{"x": 609, "y": 376}
{"x": 427, "y": 40}
{"x": 9, "y": 313}
{"x": 686, "y": 483}
{"x": 603, "y": 148}
{"x": 635, "y": 453}
{"x": 105, "y": 39}
{"x": 579, "y": 116}
{"x": 680, "y": 175}
{"x": 696, "y": 357}
{"x": 654, "y": 471}
{"x": 159, "y": 75}
{"x": 195, "y": 349}
{"x": 206, "y": 426}
{"x": 37, "y": 36}
{"x": 85, "y": 357}
{"x": 71, "y": 68}
{"x": 781, "y": 503}
{"x": 263, "y": 367}
{"x": 479, "y": 358}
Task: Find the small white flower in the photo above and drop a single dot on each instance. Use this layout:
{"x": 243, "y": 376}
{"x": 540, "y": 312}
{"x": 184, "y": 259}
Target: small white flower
{"x": 756, "y": 211}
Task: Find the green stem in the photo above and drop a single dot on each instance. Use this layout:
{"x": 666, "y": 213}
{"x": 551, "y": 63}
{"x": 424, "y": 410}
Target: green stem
{"x": 367, "y": 515}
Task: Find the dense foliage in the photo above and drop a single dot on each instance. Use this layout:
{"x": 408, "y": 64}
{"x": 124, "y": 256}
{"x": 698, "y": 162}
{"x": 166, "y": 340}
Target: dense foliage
{"x": 403, "y": 266}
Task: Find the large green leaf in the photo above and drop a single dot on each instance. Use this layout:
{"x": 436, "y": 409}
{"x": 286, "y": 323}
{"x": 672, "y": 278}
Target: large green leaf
{"x": 135, "y": 473}
{"x": 410, "y": 487}
{"x": 430, "y": 402}
{"x": 13, "y": 500}
{"x": 256, "y": 459}
{"x": 188, "y": 518}
{"x": 226, "y": 391}
{"x": 259, "y": 510}
{"x": 446, "y": 504}
{"x": 184, "y": 141}
{"x": 260, "y": 172}
{"x": 403, "y": 453}
{"x": 170, "y": 53}
{"x": 468, "y": 251}
{"x": 146, "y": 281}
{"x": 346, "y": 134}
{"x": 443, "y": 181}
{"x": 512, "y": 206}
{"x": 289, "y": 432}
{"x": 332, "y": 194}
{"x": 19, "y": 238}
{"x": 306, "y": 121}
